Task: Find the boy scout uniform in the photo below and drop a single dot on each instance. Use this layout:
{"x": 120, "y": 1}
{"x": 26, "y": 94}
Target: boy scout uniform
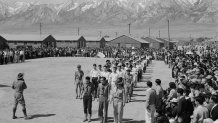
{"x": 88, "y": 92}
{"x": 103, "y": 94}
{"x": 128, "y": 85}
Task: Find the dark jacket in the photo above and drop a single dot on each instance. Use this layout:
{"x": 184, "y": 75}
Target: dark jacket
{"x": 214, "y": 113}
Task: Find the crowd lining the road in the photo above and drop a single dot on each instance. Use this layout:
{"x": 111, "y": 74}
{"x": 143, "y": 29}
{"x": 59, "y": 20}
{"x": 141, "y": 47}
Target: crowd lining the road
{"x": 191, "y": 98}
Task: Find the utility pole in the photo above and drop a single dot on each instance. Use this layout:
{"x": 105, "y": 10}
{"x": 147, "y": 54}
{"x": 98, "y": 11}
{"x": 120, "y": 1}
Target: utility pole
{"x": 78, "y": 31}
{"x": 159, "y": 33}
{"x": 149, "y": 32}
{"x": 129, "y": 28}
{"x": 168, "y": 21}
{"x": 100, "y": 33}
{"x": 40, "y": 29}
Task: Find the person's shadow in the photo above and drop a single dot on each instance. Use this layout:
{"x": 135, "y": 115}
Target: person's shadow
{"x": 3, "y": 86}
{"x": 41, "y": 115}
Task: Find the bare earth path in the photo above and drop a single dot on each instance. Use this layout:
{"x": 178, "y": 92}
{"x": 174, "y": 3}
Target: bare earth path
{"x": 50, "y": 96}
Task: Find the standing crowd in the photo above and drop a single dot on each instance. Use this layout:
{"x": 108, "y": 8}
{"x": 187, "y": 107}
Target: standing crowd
{"x": 191, "y": 98}
{"x": 21, "y": 54}
{"x": 111, "y": 83}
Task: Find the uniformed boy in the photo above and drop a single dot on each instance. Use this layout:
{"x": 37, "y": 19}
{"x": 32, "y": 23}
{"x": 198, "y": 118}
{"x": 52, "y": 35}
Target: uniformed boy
{"x": 128, "y": 85}
{"x": 88, "y": 95}
{"x": 19, "y": 87}
{"x": 103, "y": 95}
{"x": 79, "y": 81}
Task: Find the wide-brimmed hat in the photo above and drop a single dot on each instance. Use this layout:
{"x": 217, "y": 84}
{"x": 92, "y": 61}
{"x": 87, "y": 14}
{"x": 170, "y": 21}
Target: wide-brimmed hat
{"x": 20, "y": 76}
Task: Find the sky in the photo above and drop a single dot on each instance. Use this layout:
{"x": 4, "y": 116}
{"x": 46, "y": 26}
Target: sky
{"x": 42, "y": 1}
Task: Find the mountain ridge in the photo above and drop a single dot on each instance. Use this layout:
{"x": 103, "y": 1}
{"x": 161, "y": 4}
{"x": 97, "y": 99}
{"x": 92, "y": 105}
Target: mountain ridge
{"x": 112, "y": 12}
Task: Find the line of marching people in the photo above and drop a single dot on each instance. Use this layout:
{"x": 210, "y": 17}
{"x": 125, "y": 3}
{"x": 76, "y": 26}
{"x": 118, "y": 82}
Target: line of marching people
{"x": 112, "y": 83}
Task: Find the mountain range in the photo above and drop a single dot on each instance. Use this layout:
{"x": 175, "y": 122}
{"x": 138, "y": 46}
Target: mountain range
{"x": 112, "y": 12}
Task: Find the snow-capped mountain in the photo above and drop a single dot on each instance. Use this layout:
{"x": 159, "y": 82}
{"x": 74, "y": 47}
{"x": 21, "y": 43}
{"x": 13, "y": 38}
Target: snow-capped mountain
{"x": 111, "y": 11}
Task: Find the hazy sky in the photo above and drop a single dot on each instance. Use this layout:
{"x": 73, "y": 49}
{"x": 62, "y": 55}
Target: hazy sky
{"x": 42, "y": 1}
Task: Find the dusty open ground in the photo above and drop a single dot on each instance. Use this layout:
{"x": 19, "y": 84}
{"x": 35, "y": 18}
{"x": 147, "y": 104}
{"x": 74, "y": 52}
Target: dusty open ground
{"x": 50, "y": 96}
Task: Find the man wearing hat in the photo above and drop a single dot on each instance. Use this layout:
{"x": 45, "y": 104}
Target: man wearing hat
{"x": 128, "y": 85}
{"x": 79, "y": 81}
{"x": 19, "y": 87}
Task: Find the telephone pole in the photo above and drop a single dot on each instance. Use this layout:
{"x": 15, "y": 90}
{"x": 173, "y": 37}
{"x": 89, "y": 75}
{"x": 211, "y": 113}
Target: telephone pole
{"x": 116, "y": 34}
{"x": 149, "y": 32}
{"x": 100, "y": 33}
{"x": 129, "y": 28}
{"x": 78, "y": 31}
{"x": 159, "y": 33}
{"x": 40, "y": 29}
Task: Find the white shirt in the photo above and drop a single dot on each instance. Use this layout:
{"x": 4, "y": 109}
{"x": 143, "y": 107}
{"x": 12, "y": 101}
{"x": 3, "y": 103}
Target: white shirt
{"x": 113, "y": 77}
{"x": 134, "y": 70}
{"x": 94, "y": 73}
{"x": 120, "y": 73}
{"x": 105, "y": 74}
{"x": 21, "y": 52}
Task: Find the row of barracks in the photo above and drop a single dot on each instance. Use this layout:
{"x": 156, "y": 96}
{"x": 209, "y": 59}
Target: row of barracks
{"x": 122, "y": 41}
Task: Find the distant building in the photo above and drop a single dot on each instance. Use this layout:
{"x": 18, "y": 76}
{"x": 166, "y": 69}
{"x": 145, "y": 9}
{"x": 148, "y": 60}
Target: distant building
{"x": 3, "y": 43}
{"x": 154, "y": 43}
{"x": 70, "y": 41}
{"x": 95, "y": 42}
{"x": 15, "y": 41}
{"x": 168, "y": 43}
{"x": 128, "y": 42}
{"x": 50, "y": 41}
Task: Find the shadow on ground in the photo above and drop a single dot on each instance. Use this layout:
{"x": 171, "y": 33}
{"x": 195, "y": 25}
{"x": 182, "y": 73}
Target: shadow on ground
{"x": 4, "y": 86}
{"x": 134, "y": 100}
{"x": 140, "y": 95}
{"x": 41, "y": 115}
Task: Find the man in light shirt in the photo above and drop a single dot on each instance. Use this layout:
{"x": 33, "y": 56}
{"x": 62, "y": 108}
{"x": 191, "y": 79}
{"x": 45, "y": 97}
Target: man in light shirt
{"x": 105, "y": 73}
{"x": 95, "y": 75}
{"x": 113, "y": 77}
{"x": 135, "y": 74}
{"x": 120, "y": 72}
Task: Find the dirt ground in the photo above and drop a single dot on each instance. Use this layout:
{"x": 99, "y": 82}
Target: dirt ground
{"x": 50, "y": 96}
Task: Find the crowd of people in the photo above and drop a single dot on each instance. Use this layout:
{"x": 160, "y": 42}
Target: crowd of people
{"x": 21, "y": 54}
{"x": 191, "y": 98}
{"x": 12, "y": 56}
{"x": 112, "y": 82}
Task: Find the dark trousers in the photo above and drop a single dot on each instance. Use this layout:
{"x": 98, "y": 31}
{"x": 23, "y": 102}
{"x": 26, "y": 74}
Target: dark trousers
{"x": 95, "y": 83}
{"x": 139, "y": 75}
{"x": 87, "y": 104}
{"x": 144, "y": 68}
{"x": 103, "y": 110}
